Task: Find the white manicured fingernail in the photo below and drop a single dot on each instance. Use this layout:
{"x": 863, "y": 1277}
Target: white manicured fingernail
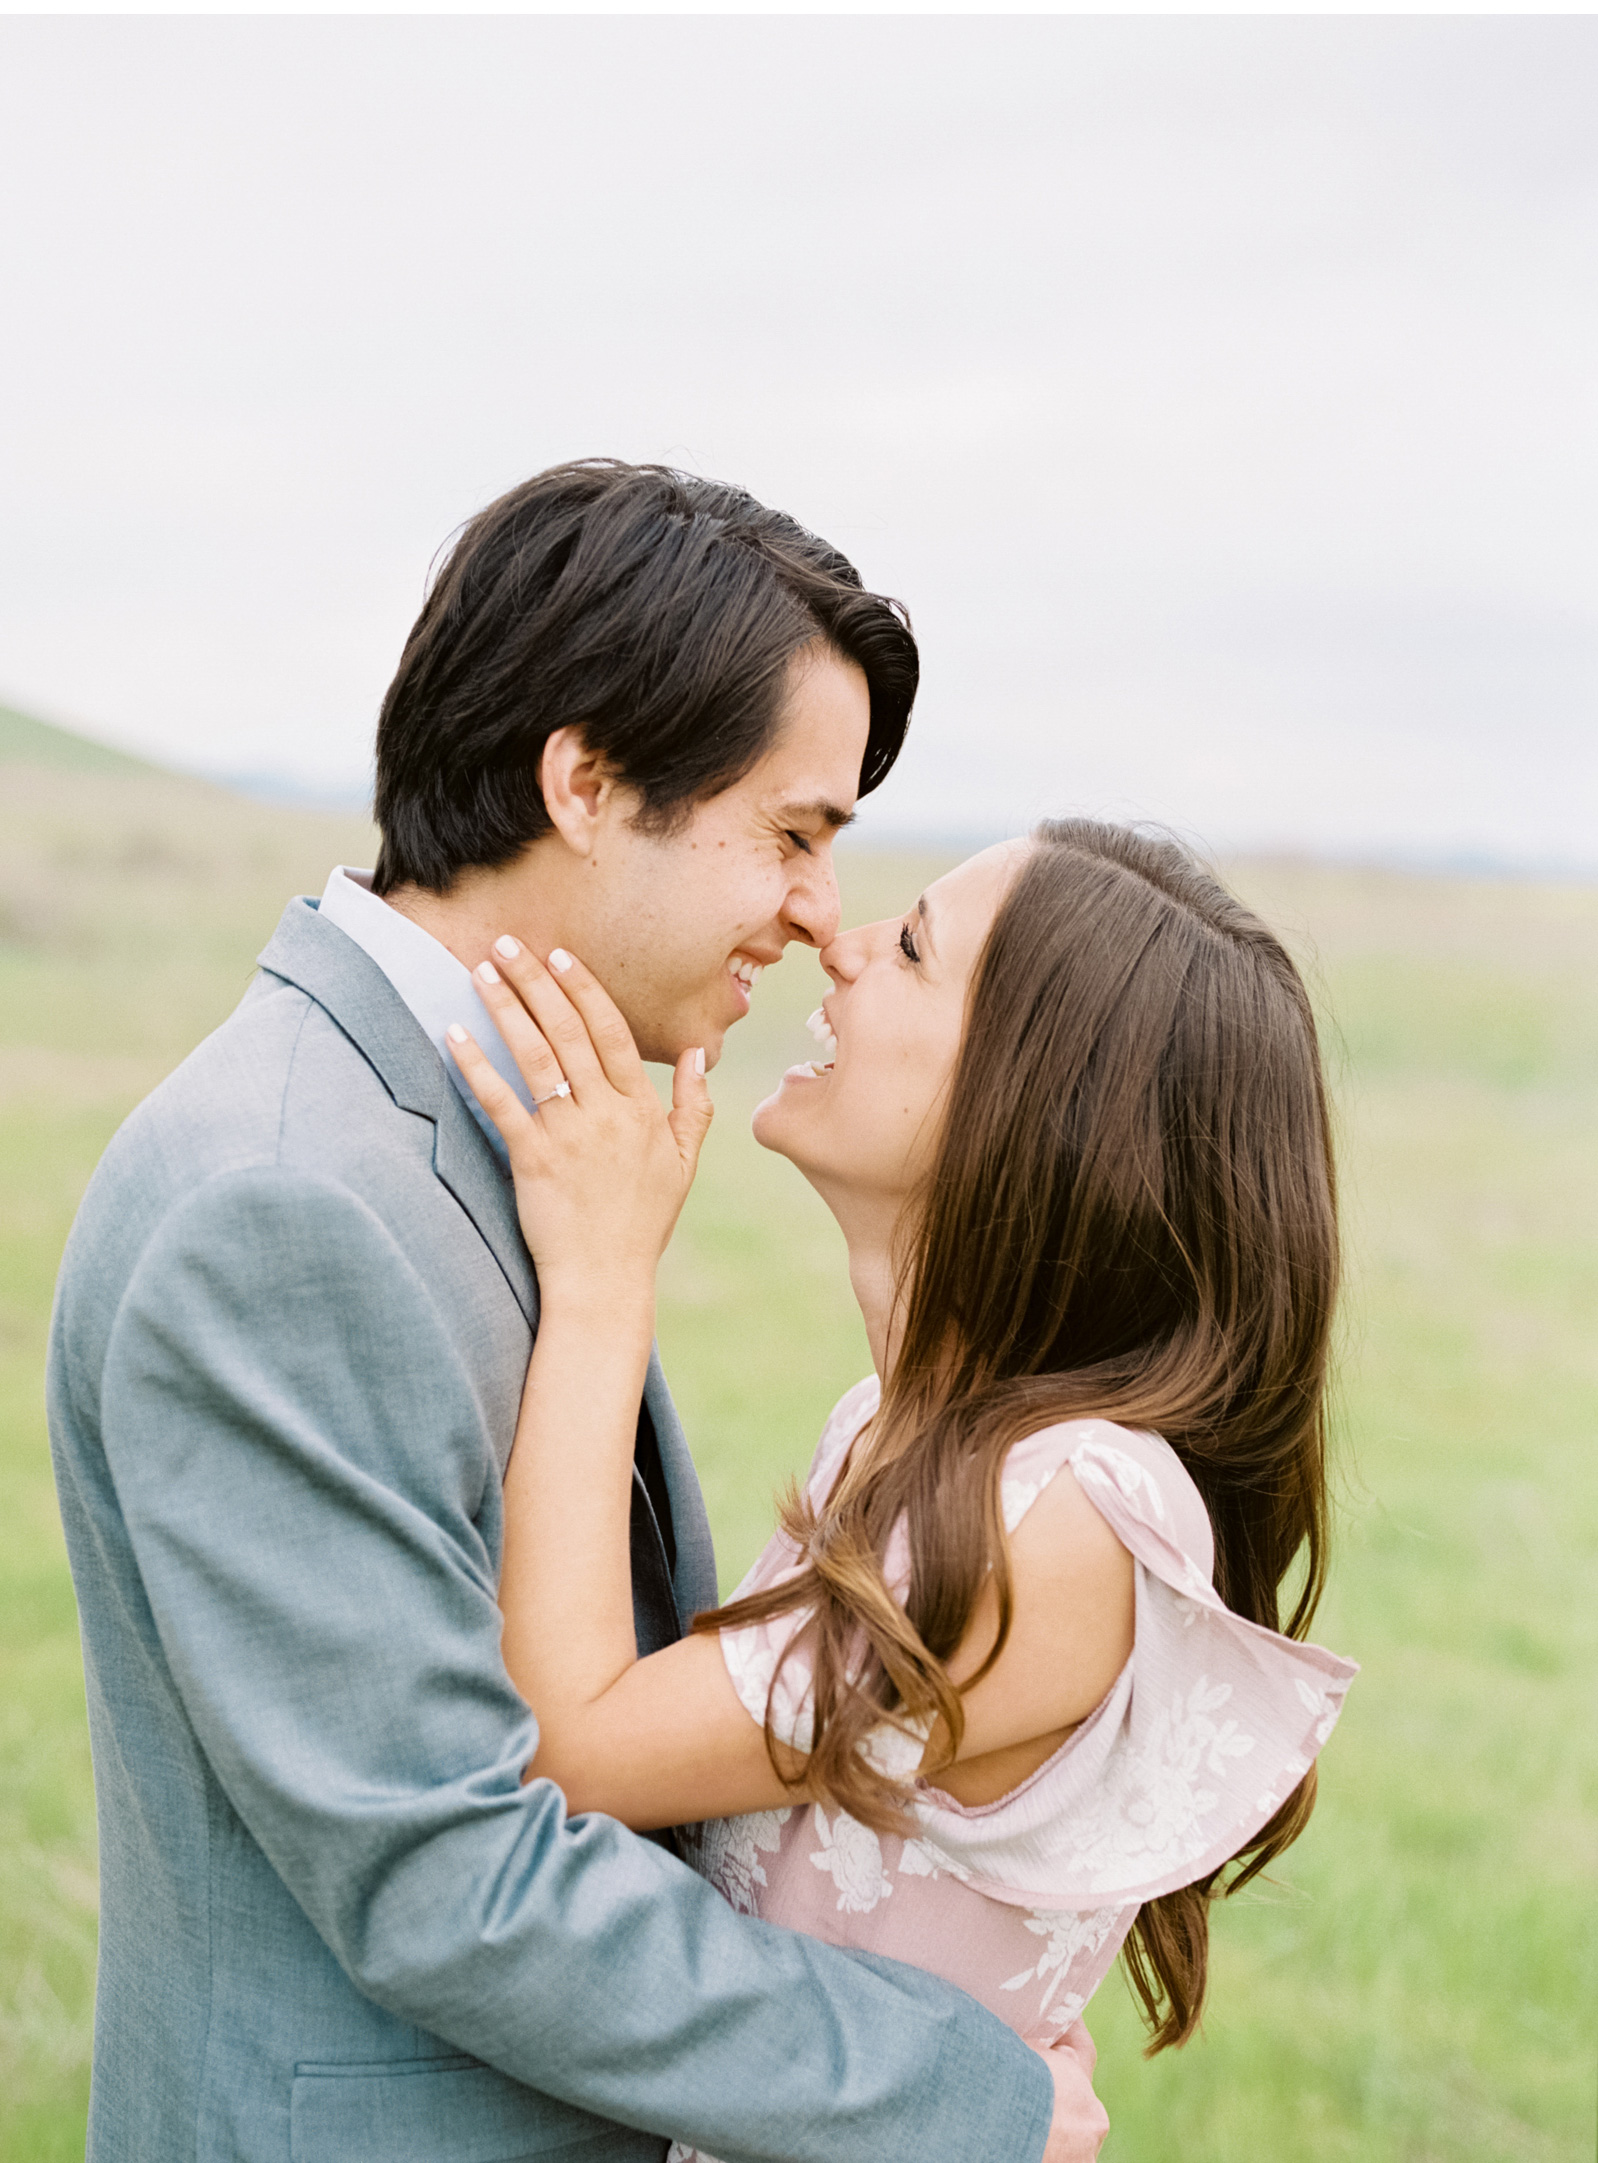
{"x": 488, "y": 973}
{"x": 699, "y": 1059}
{"x": 560, "y": 960}
{"x": 507, "y": 946}
{"x": 455, "y": 1033}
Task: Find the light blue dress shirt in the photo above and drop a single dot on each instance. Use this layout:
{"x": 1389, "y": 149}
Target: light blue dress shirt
{"x": 436, "y": 987}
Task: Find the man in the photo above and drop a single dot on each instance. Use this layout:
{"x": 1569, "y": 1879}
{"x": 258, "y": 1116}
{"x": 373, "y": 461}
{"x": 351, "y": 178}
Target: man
{"x": 291, "y": 1330}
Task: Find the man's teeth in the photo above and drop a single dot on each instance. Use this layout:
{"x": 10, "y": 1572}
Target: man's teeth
{"x": 747, "y": 973}
{"x": 819, "y": 1029}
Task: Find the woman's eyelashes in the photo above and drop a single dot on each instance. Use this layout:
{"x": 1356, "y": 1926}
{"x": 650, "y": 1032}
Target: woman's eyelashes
{"x": 907, "y": 945}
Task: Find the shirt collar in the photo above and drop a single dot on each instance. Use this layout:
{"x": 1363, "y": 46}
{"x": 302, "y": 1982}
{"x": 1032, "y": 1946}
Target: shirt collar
{"x": 436, "y": 987}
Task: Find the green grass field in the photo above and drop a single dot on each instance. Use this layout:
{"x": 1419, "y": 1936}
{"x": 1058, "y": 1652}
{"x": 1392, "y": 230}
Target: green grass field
{"x": 1419, "y": 1984}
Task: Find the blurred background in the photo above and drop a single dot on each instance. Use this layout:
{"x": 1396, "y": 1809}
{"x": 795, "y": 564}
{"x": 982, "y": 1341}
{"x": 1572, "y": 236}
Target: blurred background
{"x": 1222, "y": 396}
{"x": 1219, "y": 393}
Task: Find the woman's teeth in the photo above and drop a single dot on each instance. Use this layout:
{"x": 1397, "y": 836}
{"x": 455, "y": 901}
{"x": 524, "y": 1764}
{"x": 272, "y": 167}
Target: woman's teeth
{"x": 747, "y": 973}
{"x": 821, "y": 1030}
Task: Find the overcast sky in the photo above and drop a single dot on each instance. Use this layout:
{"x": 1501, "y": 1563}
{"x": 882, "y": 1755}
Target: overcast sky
{"x": 1222, "y": 395}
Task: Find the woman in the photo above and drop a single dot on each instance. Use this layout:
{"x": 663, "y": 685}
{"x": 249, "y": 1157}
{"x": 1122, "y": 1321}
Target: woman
{"x": 1008, "y": 1690}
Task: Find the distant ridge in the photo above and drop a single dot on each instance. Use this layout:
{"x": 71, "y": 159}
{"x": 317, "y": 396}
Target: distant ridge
{"x": 352, "y": 800}
{"x": 27, "y": 742}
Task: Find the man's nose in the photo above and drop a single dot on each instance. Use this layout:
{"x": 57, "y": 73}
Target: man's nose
{"x": 814, "y": 910}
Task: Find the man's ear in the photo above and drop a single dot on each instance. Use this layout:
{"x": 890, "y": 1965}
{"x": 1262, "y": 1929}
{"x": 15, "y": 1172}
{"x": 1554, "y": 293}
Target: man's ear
{"x": 577, "y": 787}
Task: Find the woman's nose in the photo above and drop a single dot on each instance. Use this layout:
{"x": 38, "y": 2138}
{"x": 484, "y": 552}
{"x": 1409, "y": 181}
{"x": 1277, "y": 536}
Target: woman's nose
{"x": 844, "y": 957}
{"x": 839, "y": 960}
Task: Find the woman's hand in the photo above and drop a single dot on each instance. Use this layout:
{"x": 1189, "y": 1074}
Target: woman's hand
{"x": 601, "y": 1169}
{"x": 601, "y": 1173}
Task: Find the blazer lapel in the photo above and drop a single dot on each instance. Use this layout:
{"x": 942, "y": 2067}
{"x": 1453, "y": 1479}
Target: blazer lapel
{"x": 470, "y": 1170}
{"x": 331, "y": 969}
{"x": 694, "y": 1580}
{"x": 343, "y": 980}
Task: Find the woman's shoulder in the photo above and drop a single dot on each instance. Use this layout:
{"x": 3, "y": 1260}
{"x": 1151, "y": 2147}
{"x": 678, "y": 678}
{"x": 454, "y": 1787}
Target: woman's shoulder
{"x": 1134, "y": 1479}
{"x": 843, "y": 1423}
{"x": 854, "y": 1408}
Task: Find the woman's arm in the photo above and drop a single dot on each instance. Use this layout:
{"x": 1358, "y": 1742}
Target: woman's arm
{"x": 1071, "y": 1630}
{"x": 566, "y": 1577}
{"x": 600, "y": 1179}
{"x": 661, "y": 1741}
{"x": 667, "y": 1740}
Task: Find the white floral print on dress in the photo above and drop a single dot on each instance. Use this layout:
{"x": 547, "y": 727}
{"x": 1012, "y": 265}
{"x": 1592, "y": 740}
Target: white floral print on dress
{"x": 1069, "y": 1934}
{"x": 763, "y": 1677}
{"x": 851, "y": 1854}
{"x": 1094, "y": 1461}
{"x": 921, "y": 1859}
{"x": 1153, "y": 1802}
{"x": 727, "y": 1851}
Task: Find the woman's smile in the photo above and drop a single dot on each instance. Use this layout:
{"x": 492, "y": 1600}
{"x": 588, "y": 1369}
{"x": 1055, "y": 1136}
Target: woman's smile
{"x": 898, "y": 999}
{"x": 820, "y": 1027}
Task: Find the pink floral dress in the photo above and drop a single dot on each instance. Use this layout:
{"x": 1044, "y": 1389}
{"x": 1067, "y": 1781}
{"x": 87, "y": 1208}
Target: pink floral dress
{"x": 1024, "y": 1902}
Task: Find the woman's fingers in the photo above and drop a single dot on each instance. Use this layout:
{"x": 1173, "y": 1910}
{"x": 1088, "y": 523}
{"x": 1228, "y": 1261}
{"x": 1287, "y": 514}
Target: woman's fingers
{"x": 540, "y": 1066}
{"x": 491, "y": 1090}
{"x": 607, "y": 1030}
{"x": 600, "y": 1180}
{"x": 691, "y": 1109}
{"x": 544, "y": 998}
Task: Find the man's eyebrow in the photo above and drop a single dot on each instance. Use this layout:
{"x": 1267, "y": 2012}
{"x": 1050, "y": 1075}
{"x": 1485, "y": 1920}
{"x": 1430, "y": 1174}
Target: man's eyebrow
{"x": 818, "y": 812}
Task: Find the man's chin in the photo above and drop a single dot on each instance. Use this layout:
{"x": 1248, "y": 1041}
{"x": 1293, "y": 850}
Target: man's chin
{"x": 666, "y": 1050}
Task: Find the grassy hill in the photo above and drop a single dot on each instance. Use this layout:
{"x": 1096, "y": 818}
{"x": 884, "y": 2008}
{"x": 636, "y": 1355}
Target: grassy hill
{"x": 1417, "y": 1987}
{"x": 27, "y": 742}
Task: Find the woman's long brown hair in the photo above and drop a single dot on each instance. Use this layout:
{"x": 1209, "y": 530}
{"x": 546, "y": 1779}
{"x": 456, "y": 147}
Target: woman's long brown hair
{"x": 1131, "y": 1215}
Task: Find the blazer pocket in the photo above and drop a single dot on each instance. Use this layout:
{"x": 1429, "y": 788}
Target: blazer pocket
{"x": 444, "y": 2110}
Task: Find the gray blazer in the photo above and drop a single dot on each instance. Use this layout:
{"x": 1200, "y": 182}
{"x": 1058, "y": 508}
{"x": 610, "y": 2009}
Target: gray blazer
{"x": 289, "y": 1340}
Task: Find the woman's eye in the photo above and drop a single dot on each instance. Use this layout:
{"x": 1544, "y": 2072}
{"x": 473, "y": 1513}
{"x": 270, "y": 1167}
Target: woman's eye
{"x": 907, "y": 945}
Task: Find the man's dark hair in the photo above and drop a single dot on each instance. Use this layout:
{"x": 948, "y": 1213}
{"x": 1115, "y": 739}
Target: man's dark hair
{"x": 655, "y": 611}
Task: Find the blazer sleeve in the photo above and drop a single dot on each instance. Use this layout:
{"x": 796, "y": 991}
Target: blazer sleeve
{"x": 307, "y": 1480}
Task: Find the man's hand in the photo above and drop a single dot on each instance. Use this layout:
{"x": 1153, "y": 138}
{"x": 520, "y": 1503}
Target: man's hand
{"x": 1080, "y": 2122}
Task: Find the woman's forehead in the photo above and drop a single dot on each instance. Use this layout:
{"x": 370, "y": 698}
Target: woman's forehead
{"x": 982, "y": 880}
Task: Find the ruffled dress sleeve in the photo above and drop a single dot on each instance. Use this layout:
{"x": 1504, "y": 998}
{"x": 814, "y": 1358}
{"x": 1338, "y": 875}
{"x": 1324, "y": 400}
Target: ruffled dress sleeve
{"x": 1209, "y": 1727}
{"x": 1211, "y": 1724}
